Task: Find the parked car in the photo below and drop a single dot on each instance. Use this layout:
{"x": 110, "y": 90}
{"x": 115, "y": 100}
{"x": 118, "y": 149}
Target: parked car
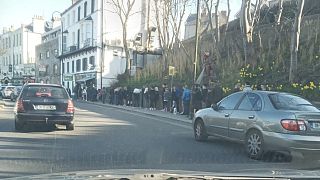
{"x": 6, "y": 92}
{"x": 15, "y": 93}
{"x": 264, "y": 121}
{"x": 47, "y": 104}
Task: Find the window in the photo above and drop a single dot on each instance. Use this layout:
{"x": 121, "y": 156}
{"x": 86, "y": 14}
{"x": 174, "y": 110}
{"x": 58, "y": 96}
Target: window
{"x": 73, "y": 16}
{"x": 68, "y": 66}
{"x": 72, "y": 66}
{"x": 55, "y": 69}
{"x": 251, "y": 102}
{"x": 92, "y": 62}
{"x": 47, "y": 91}
{"x": 48, "y": 54}
{"x": 78, "y": 65}
{"x": 56, "y": 52}
{"x": 20, "y": 59}
{"x": 84, "y": 64}
{"x": 20, "y": 39}
{"x": 230, "y": 102}
{"x": 47, "y": 69}
{"x": 282, "y": 101}
{"x": 9, "y": 42}
{"x": 68, "y": 20}
{"x": 62, "y": 68}
{"x": 85, "y": 9}
{"x": 92, "y": 6}
{"x": 14, "y": 40}
{"x": 41, "y": 56}
{"x": 79, "y": 12}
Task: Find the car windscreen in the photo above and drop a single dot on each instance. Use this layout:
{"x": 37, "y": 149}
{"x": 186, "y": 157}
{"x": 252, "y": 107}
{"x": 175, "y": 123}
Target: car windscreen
{"x": 283, "y": 101}
{"x": 45, "y": 91}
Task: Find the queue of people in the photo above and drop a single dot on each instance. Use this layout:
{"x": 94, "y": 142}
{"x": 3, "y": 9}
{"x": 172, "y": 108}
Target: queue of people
{"x": 175, "y": 99}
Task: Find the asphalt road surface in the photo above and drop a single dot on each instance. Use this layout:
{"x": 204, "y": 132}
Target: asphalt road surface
{"x": 110, "y": 138}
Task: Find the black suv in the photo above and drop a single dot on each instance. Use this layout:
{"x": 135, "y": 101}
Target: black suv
{"x": 44, "y": 103}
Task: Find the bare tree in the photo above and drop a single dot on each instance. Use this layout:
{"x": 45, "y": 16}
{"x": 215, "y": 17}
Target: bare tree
{"x": 169, "y": 18}
{"x": 124, "y": 9}
{"x": 280, "y": 12}
{"x": 217, "y": 21}
{"x": 228, "y": 16}
{"x": 248, "y": 19}
{"x": 295, "y": 42}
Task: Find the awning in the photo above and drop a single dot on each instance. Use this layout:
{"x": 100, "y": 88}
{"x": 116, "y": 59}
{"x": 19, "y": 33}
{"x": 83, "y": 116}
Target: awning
{"x": 84, "y": 79}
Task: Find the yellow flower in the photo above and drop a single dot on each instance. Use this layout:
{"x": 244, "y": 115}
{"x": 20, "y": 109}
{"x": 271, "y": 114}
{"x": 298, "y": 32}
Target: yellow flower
{"x": 302, "y": 89}
{"x": 312, "y": 84}
{"x": 248, "y": 65}
{"x": 317, "y": 57}
{"x": 306, "y": 87}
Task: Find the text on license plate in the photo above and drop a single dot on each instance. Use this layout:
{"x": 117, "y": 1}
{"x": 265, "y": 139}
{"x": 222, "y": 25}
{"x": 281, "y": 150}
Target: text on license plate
{"x": 315, "y": 125}
{"x": 44, "y": 107}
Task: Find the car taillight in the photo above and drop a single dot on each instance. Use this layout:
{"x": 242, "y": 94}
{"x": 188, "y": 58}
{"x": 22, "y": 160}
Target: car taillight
{"x": 293, "y": 125}
{"x": 19, "y": 106}
{"x": 70, "y": 108}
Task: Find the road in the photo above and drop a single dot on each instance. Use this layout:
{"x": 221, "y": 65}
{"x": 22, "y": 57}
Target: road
{"x": 110, "y": 138}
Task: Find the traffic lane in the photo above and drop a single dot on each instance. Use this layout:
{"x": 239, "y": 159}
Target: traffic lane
{"x": 107, "y": 138}
{"x": 212, "y": 150}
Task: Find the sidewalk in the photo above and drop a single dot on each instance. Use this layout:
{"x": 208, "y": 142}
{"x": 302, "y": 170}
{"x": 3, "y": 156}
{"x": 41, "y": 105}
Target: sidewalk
{"x": 156, "y": 113}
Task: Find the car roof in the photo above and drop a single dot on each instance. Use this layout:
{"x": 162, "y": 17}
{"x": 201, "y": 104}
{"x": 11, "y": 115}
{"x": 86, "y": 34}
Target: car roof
{"x": 41, "y": 84}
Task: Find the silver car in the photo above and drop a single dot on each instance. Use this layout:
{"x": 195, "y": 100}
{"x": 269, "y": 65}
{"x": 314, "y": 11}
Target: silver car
{"x": 263, "y": 121}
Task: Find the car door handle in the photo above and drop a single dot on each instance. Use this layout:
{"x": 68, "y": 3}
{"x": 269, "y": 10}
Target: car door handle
{"x": 226, "y": 115}
{"x": 251, "y": 117}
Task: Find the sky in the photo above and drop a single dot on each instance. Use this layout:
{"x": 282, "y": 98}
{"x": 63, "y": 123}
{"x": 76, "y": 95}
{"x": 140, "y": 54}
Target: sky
{"x": 17, "y": 12}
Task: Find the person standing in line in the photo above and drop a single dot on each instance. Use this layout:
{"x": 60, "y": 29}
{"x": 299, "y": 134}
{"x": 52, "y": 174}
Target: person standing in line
{"x": 186, "y": 97}
{"x": 103, "y": 95}
{"x": 84, "y": 94}
{"x": 69, "y": 92}
{"x": 152, "y": 96}
{"x": 197, "y": 98}
{"x": 156, "y": 99}
{"x": 166, "y": 99}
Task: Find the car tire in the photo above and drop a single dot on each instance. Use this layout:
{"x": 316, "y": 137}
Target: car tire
{"x": 18, "y": 126}
{"x": 254, "y": 144}
{"x": 70, "y": 127}
{"x": 200, "y": 133}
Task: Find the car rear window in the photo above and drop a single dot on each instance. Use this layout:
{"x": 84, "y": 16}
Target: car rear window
{"x": 283, "y": 101}
{"x": 10, "y": 88}
{"x": 45, "y": 91}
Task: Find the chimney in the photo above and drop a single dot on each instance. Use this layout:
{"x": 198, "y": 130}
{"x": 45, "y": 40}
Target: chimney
{"x": 5, "y": 30}
{"x": 38, "y": 24}
{"x": 56, "y": 22}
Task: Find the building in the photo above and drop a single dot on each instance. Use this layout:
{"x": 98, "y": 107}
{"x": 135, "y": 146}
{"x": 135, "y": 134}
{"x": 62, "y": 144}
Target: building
{"x": 47, "y": 62}
{"x": 92, "y": 50}
{"x": 190, "y": 24}
{"x": 17, "y": 60}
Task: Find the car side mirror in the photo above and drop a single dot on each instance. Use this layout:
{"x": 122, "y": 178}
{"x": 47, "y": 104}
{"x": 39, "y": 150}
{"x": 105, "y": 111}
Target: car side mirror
{"x": 215, "y": 107}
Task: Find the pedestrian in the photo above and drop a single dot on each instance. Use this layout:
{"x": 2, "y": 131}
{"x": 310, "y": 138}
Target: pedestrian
{"x": 247, "y": 87}
{"x": 152, "y": 97}
{"x": 146, "y": 97}
{"x": 69, "y": 92}
{"x": 196, "y": 98}
{"x": 84, "y": 94}
{"x": 236, "y": 87}
{"x": 157, "y": 94}
{"x": 136, "y": 97}
{"x": 75, "y": 91}
{"x": 166, "y": 99}
{"x": 103, "y": 95}
{"x": 186, "y": 97}
{"x": 176, "y": 99}
{"x": 217, "y": 93}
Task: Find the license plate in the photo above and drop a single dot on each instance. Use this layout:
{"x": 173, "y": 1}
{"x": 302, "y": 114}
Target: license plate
{"x": 315, "y": 125}
{"x": 45, "y": 107}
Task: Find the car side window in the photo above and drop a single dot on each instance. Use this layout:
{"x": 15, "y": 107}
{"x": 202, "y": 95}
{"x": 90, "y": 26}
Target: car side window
{"x": 251, "y": 102}
{"x": 230, "y": 102}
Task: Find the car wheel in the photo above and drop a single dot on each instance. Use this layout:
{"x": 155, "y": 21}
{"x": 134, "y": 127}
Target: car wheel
{"x": 200, "y": 133}
{"x": 254, "y": 144}
{"x": 18, "y": 126}
{"x": 70, "y": 127}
